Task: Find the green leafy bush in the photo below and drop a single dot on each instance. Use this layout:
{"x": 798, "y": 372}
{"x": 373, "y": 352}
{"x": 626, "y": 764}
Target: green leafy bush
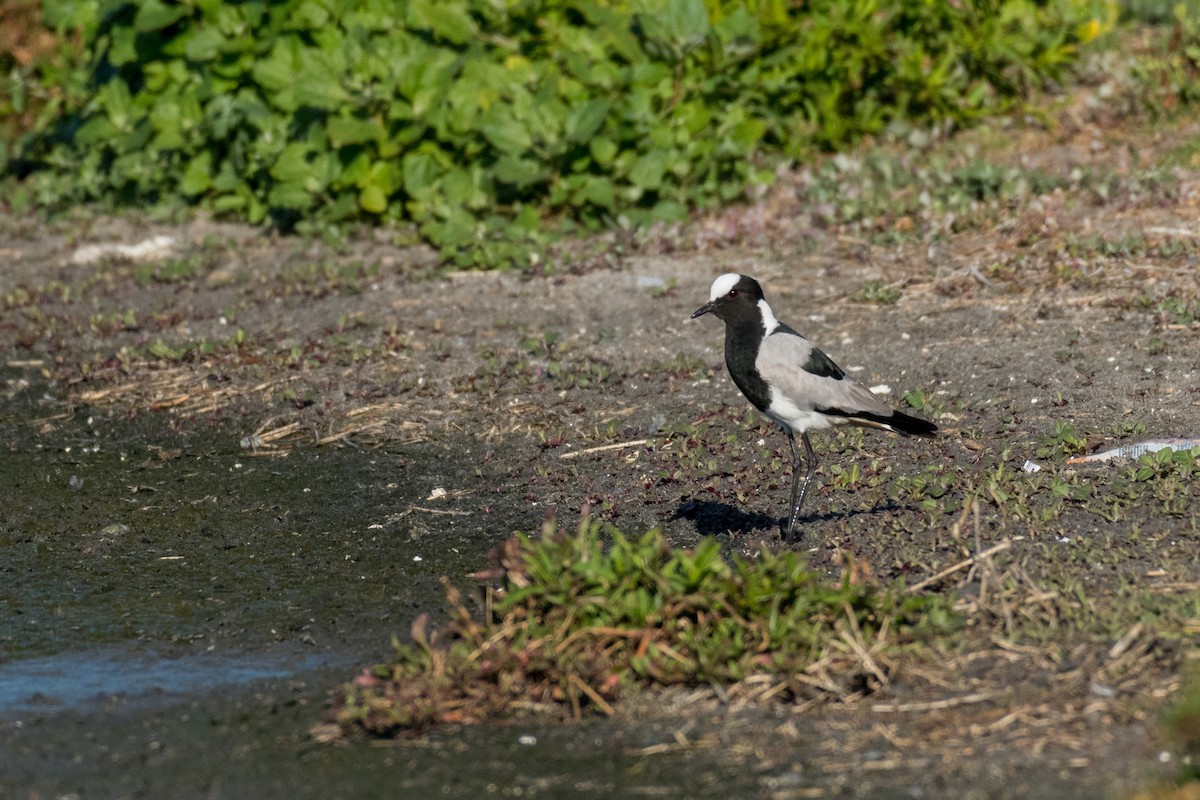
{"x": 480, "y": 120}
{"x": 575, "y": 623}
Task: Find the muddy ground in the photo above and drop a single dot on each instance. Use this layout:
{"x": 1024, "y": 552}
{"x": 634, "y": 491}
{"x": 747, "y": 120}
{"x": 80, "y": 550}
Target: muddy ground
{"x": 264, "y": 451}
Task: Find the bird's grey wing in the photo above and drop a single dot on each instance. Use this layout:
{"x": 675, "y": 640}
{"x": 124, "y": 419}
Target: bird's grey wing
{"x": 810, "y": 379}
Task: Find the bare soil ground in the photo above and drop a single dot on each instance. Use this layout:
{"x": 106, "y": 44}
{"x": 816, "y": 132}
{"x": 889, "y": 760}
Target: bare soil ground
{"x": 1030, "y": 325}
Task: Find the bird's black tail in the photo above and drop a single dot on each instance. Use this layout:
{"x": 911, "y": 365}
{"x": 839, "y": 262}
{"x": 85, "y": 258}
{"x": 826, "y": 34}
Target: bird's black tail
{"x": 896, "y": 422}
{"x": 911, "y": 426}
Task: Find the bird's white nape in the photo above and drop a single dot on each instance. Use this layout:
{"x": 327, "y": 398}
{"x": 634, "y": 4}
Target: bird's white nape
{"x": 768, "y": 319}
{"x": 722, "y": 285}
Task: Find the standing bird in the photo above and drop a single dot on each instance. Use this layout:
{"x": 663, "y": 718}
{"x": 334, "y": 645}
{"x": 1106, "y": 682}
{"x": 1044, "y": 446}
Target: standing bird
{"x": 787, "y": 378}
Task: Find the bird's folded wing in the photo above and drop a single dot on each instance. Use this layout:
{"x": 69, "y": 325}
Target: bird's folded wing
{"x": 784, "y": 363}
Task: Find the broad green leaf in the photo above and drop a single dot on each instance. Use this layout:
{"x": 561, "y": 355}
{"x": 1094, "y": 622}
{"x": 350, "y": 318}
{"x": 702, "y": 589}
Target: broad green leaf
{"x": 166, "y": 117}
{"x": 603, "y": 150}
{"x": 154, "y": 15}
{"x": 448, "y": 20}
{"x": 227, "y": 179}
{"x": 229, "y": 202}
{"x": 373, "y": 199}
{"x": 197, "y": 177}
{"x": 205, "y": 44}
{"x": 459, "y": 188}
{"x": 115, "y": 98}
{"x": 668, "y": 211}
{"x": 277, "y": 73}
{"x": 292, "y": 166}
{"x": 319, "y": 82}
{"x": 740, "y": 29}
{"x": 289, "y": 196}
{"x": 584, "y": 122}
{"x": 647, "y": 171}
{"x": 421, "y": 174}
{"x": 348, "y": 130}
{"x": 309, "y": 16}
{"x": 354, "y": 172}
{"x": 685, "y": 21}
{"x": 383, "y": 174}
{"x": 505, "y": 132}
{"x": 600, "y": 192}
{"x": 745, "y": 135}
{"x": 326, "y": 168}
{"x": 458, "y": 229}
{"x": 516, "y": 171}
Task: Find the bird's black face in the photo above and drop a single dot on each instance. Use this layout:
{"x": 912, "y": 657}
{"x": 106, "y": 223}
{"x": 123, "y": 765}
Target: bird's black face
{"x": 735, "y": 297}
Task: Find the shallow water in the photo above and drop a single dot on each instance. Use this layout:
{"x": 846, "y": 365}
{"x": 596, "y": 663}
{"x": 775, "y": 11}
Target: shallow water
{"x": 84, "y": 681}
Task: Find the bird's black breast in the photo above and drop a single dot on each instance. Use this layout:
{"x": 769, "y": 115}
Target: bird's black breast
{"x": 741, "y": 355}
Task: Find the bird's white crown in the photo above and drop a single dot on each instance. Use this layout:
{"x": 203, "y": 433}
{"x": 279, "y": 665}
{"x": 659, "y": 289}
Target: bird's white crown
{"x": 722, "y": 285}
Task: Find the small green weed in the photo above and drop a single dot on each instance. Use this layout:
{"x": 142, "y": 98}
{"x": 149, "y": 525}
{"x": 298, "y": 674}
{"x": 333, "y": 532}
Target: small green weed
{"x": 1180, "y": 310}
{"x": 1185, "y": 155}
{"x": 1065, "y": 441}
{"x": 876, "y": 292}
{"x": 1168, "y": 77}
{"x": 924, "y": 489}
{"x": 545, "y": 360}
{"x": 169, "y": 271}
{"x": 576, "y": 623}
{"x": 329, "y": 277}
{"x": 1164, "y": 481}
{"x": 916, "y": 399}
{"x": 684, "y": 366}
{"x": 1182, "y": 727}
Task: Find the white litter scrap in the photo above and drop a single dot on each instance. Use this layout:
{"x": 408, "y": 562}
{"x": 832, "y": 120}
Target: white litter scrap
{"x": 1031, "y": 467}
{"x": 1138, "y": 450}
{"x": 146, "y": 250}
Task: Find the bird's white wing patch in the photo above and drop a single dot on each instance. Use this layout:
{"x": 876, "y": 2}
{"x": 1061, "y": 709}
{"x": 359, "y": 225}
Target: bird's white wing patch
{"x": 722, "y": 285}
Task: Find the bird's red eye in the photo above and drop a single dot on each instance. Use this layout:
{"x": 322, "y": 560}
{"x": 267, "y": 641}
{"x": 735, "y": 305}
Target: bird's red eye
{"x": 733, "y": 292}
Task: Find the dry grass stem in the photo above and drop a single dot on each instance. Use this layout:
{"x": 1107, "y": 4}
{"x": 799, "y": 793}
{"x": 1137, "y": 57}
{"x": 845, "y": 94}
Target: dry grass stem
{"x": 605, "y": 448}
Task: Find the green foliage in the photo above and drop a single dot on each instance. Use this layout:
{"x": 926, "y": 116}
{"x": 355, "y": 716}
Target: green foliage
{"x": 576, "y": 622}
{"x": 1182, "y": 726}
{"x": 876, "y": 292}
{"x": 878, "y": 188}
{"x": 479, "y": 121}
{"x": 1170, "y": 77}
{"x": 1065, "y": 441}
{"x": 1180, "y": 310}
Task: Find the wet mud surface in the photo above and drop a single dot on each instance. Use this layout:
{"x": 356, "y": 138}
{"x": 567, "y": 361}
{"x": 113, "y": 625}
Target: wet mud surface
{"x": 145, "y": 567}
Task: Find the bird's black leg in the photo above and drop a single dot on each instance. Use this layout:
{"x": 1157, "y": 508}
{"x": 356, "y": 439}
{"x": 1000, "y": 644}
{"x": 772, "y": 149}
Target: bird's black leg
{"x": 799, "y": 490}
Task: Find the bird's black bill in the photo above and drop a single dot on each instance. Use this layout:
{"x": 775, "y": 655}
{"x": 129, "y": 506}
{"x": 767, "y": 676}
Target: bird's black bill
{"x": 702, "y": 310}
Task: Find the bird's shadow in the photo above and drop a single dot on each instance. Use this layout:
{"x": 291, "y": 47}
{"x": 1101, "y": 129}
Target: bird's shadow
{"x": 713, "y": 518}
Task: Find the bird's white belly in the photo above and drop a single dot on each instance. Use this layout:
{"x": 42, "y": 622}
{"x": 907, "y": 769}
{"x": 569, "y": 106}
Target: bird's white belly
{"x": 786, "y": 413}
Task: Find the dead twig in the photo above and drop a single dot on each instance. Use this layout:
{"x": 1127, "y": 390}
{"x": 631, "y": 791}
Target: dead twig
{"x": 968, "y": 562}
{"x": 604, "y": 447}
{"x": 933, "y": 705}
{"x": 1125, "y": 642}
{"x": 854, "y": 639}
{"x": 593, "y": 695}
{"x": 442, "y": 512}
{"x": 1184, "y": 232}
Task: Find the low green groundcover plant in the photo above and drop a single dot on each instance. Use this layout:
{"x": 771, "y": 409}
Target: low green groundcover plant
{"x": 573, "y": 624}
{"x": 481, "y": 120}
